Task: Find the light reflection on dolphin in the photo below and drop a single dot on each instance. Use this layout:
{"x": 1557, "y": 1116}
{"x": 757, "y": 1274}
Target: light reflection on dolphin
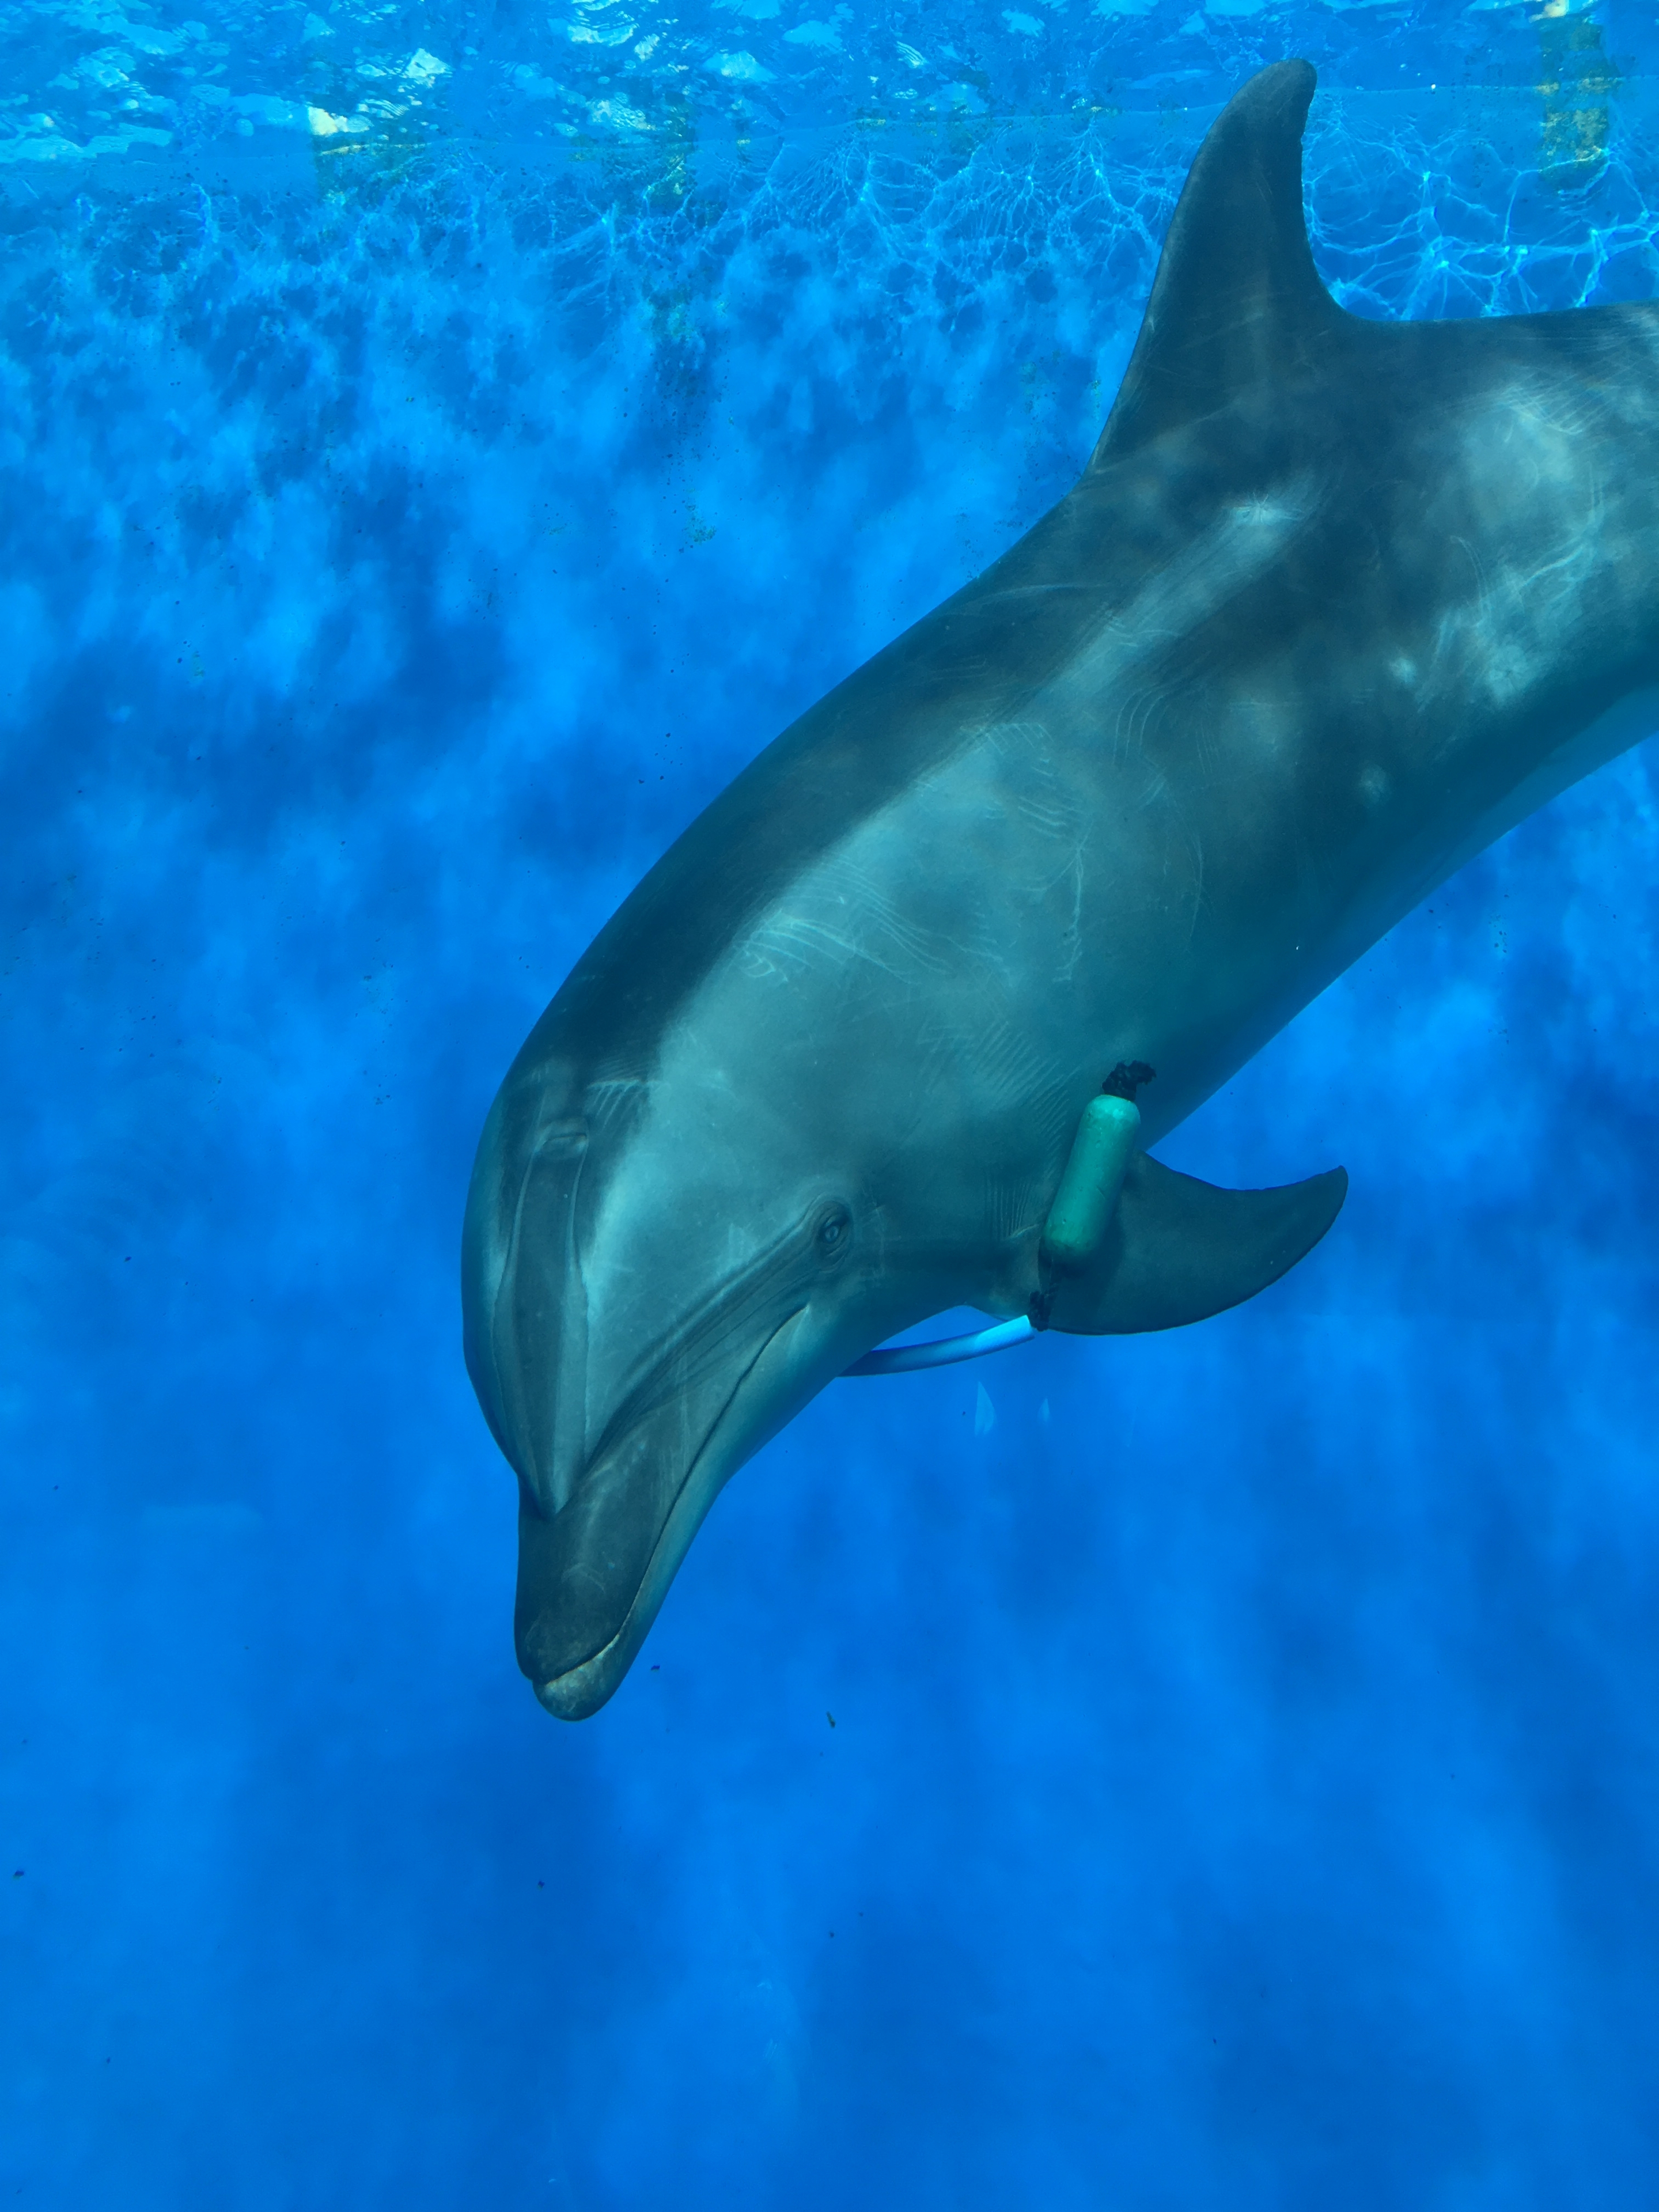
{"x": 1333, "y": 604}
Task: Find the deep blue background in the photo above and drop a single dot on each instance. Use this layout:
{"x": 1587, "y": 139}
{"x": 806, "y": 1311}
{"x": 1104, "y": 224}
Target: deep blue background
{"x": 437, "y": 448}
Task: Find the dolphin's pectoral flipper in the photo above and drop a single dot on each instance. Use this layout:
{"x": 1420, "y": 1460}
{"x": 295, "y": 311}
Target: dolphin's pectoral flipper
{"x": 1178, "y": 1251}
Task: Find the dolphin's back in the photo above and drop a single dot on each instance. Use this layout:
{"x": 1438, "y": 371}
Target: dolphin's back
{"x": 1248, "y": 385}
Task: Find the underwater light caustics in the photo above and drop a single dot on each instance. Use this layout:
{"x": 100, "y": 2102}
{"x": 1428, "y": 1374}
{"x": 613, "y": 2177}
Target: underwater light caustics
{"x": 1334, "y": 603}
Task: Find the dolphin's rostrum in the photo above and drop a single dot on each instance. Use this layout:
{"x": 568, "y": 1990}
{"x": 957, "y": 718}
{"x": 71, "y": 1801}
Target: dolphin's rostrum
{"x": 1334, "y": 603}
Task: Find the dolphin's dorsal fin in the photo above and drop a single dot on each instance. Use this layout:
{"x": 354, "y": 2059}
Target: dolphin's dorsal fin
{"x": 1179, "y": 1250}
{"x": 1237, "y": 300}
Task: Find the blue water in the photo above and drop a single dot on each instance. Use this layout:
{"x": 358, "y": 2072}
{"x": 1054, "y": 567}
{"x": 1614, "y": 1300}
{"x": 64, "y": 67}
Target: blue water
{"x": 440, "y": 444}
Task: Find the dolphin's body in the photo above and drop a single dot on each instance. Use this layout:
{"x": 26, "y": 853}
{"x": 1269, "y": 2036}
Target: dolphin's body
{"x": 1333, "y": 604}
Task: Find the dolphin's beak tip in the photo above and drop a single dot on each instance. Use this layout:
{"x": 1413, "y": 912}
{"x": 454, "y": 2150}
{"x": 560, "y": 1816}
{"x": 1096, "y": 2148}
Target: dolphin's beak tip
{"x": 554, "y": 1697}
{"x": 572, "y": 1626}
{"x": 579, "y": 1692}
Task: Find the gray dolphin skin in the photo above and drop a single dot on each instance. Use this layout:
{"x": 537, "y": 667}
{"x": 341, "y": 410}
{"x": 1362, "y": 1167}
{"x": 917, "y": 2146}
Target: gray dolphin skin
{"x": 1335, "y": 604}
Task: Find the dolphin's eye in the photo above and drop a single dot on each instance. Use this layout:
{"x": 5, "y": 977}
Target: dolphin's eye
{"x": 833, "y": 1231}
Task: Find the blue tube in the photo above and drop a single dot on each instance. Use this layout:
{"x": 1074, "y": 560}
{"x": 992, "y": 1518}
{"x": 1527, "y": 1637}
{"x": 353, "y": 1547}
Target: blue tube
{"x": 943, "y": 1352}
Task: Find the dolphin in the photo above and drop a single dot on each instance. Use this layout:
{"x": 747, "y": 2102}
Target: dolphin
{"x": 1334, "y": 603}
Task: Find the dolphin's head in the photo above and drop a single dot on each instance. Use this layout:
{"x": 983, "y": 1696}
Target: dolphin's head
{"x": 658, "y": 1274}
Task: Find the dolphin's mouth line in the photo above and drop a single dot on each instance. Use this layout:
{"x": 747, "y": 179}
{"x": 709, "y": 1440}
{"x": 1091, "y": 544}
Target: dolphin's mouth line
{"x": 689, "y": 1352}
{"x": 693, "y": 1464}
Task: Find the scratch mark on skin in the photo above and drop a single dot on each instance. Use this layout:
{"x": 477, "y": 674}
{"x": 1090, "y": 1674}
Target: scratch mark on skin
{"x": 1072, "y": 942}
{"x": 1196, "y": 848}
{"x": 869, "y": 927}
{"x": 1482, "y": 590}
{"x": 1130, "y": 726}
{"x": 1013, "y": 1211}
{"x": 606, "y": 1102}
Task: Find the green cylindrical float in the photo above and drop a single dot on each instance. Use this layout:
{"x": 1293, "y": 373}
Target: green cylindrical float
{"x": 1093, "y": 1181}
